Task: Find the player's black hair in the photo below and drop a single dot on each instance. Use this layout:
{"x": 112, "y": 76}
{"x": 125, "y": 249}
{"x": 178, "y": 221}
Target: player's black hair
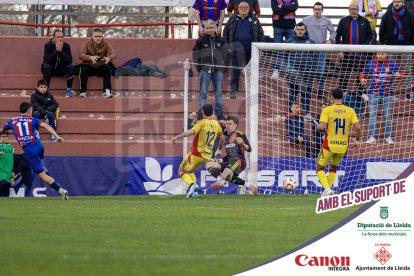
{"x": 41, "y": 82}
{"x": 207, "y": 109}
{"x": 4, "y": 132}
{"x": 337, "y": 93}
{"x": 56, "y": 31}
{"x": 233, "y": 118}
{"x": 97, "y": 30}
{"x": 24, "y": 106}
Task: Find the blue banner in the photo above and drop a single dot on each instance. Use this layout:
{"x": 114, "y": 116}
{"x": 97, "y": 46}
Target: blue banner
{"x": 102, "y": 176}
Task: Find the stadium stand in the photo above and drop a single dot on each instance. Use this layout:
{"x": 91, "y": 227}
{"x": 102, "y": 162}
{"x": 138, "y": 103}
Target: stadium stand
{"x": 146, "y": 111}
{"x": 139, "y": 121}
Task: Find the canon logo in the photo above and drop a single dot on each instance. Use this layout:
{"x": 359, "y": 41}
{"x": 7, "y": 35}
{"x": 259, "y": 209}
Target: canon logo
{"x": 304, "y": 260}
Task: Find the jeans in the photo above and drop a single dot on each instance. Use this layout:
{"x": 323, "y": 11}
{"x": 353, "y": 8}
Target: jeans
{"x": 320, "y": 73}
{"x": 51, "y": 117}
{"x": 302, "y": 85}
{"x": 217, "y": 79}
{"x": 240, "y": 58}
{"x": 278, "y": 35}
{"x": 373, "y": 102}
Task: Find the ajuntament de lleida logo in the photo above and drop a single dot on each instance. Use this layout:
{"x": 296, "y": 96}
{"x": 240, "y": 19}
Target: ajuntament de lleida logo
{"x": 384, "y": 212}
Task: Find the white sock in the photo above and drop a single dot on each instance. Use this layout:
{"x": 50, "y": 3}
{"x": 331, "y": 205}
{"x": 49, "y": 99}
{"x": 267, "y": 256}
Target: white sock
{"x": 247, "y": 184}
{"x": 61, "y": 190}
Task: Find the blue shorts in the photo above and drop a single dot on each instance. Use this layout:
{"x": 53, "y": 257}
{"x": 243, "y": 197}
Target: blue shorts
{"x": 34, "y": 155}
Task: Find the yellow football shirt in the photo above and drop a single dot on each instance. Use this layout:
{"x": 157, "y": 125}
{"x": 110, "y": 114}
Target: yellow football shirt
{"x": 339, "y": 119}
{"x": 207, "y": 130}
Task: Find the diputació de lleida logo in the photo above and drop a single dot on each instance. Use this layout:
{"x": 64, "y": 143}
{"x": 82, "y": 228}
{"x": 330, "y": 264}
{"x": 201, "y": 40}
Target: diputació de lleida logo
{"x": 384, "y": 212}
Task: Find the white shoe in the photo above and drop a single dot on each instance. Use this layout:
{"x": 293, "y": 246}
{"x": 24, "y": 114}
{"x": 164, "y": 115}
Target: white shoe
{"x": 371, "y": 140}
{"x": 327, "y": 192}
{"x": 192, "y": 192}
{"x": 389, "y": 141}
{"x": 82, "y": 95}
{"x": 275, "y": 74}
{"x": 107, "y": 93}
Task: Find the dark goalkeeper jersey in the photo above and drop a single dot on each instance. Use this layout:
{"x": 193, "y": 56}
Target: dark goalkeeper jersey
{"x": 233, "y": 149}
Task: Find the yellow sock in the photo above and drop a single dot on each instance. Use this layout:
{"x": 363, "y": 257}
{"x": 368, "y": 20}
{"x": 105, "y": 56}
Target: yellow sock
{"x": 331, "y": 178}
{"x": 322, "y": 178}
{"x": 193, "y": 177}
{"x": 187, "y": 179}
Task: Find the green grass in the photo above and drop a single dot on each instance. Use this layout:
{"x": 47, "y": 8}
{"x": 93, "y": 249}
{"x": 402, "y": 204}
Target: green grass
{"x": 154, "y": 235}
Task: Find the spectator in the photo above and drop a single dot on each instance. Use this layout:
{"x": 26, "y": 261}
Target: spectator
{"x": 371, "y": 10}
{"x": 6, "y": 164}
{"x": 44, "y": 105}
{"x": 380, "y": 72}
{"x": 301, "y": 69}
{"x": 241, "y": 30}
{"x": 209, "y": 10}
{"x": 397, "y": 28}
{"x": 284, "y": 21}
{"x": 208, "y": 54}
{"x": 409, "y": 5}
{"x": 318, "y": 26}
{"x": 295, "y": 126}
{"x": 97, "y": 56}
{"x": 57, "y": 61}
{"x": 233, "y": 6}
{"x": 355, "y": 30}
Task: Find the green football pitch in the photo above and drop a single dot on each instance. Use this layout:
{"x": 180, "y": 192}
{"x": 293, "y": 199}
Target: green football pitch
{"x": 154, "y": 235}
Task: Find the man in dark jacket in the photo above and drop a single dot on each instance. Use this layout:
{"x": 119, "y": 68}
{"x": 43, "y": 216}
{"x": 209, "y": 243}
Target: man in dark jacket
{"x": 241, "y": 30}
{"x": 57, "y": 61}
{"x": 397, "y": 28}
{"x": 44, "y": 105}
{"x": 355, "y": 30}
{"x": 208, "y": 54}
{"x": 295, "y": 126}
{"x": 301, "y": 69}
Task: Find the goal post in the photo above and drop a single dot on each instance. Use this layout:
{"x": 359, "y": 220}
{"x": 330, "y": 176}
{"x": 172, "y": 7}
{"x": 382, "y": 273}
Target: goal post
{"x": 377, "y": 89}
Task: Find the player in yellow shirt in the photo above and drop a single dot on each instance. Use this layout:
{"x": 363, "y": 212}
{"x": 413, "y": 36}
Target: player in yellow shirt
{"x": 337, "y": 120}
{"x": 205, "y": 133}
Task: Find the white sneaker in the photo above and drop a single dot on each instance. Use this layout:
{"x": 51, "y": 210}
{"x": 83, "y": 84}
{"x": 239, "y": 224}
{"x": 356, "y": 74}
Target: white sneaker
{"x": 192, "y": 192}
{"x": 327, "y": 192}
{"x": 107, "y": 93}
{"x": 389, "y": 141}
{"x": 275, "y": 74}
{"x": 82, "y": 95}
{"x": 371, "y": 140}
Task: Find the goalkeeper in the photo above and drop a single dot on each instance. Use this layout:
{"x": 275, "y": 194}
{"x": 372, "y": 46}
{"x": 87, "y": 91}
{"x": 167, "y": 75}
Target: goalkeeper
{"x": 234, "y": 162}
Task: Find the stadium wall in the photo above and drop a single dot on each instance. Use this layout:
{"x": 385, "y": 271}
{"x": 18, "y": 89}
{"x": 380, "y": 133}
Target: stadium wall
{"x": 105, "y": 176}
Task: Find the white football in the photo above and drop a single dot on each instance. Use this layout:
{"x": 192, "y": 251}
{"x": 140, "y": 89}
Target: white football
{"x": 289, "y": 184}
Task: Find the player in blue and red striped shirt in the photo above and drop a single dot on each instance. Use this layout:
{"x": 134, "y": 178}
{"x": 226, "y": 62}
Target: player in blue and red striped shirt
{"x": 26, "y": 131}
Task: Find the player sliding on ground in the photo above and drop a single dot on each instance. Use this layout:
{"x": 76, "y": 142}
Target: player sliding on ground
{"x": 205, "y": 133}
{"x": 234, "y": 162}
{"x": 336, "y": 120}
{"x": 26, "y": 131}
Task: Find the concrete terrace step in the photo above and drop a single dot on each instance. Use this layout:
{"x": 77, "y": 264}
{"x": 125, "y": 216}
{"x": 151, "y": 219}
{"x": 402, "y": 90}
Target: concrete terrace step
{"x": 122, "y": 84}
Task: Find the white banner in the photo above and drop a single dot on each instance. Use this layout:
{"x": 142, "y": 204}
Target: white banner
{"x": 378, "y": 239}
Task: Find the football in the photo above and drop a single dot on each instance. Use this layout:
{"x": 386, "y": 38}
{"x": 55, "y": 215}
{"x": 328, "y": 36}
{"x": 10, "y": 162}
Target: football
{"x": 289, "y": 184}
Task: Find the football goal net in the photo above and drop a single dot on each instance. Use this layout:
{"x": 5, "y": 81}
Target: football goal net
{"x": 288, "y": 85}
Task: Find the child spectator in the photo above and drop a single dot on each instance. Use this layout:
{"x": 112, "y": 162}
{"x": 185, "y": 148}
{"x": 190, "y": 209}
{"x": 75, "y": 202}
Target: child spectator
{"x": 44, "y": 105}
{"x": 295, "y": 126}
{"x": 380, "y": 72}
